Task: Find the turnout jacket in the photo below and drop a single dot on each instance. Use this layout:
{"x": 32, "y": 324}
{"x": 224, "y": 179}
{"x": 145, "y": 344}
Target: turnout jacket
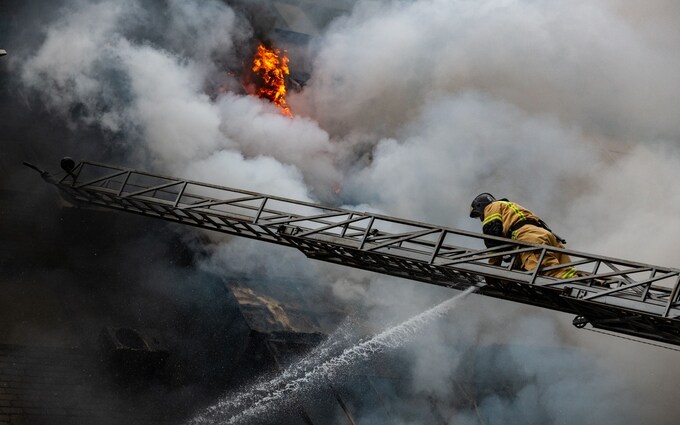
{"x": 507, "y": 219}
{"x": 504, "y": 218}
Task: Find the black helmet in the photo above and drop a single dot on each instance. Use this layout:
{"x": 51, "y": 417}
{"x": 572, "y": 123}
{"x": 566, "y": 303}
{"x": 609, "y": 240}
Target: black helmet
{"x": 479, "y": 203}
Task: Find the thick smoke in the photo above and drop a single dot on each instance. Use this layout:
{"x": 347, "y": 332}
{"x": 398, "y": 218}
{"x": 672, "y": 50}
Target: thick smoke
{"x": 412, "y": 108}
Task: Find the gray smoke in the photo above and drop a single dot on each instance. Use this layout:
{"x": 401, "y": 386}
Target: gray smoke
{"x": 567, "y": 107}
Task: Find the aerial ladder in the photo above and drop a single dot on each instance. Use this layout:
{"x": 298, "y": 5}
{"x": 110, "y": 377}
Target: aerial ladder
{"x": 636, "y": 299}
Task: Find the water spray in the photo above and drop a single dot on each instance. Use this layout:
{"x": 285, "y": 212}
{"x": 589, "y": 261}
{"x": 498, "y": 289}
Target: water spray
{"x": 305, "y": 375}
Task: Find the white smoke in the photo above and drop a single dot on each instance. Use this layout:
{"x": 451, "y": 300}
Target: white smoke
{"x": 577, "y": 61}
{"x": 567, "y": 107}
{"x": 524, "y": 350}
{"x": 465, "y": 144}
{"x": 633, "y": 205}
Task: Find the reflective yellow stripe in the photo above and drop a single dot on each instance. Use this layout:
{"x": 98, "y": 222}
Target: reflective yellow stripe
{"x": 492, "y": 217}
{"x": 569, "y": 273}
{"x": 520, "y": 215}
{"x": 517, "y": 211}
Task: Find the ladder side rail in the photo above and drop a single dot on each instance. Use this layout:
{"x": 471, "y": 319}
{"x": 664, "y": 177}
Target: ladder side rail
{"x": 218, "y": 187}
{"x": 398, "y": 221}
{"x": 375, "y": 216}
{"x": 649, "y": 307}
{"x": 140, "y": 207}
{"x": 672, "y": 298}
{"x": 418, "y": 250}
{"x": 205, "y": 203}
{"x": 366, "y": 233}
{"x": 629, "y": 286}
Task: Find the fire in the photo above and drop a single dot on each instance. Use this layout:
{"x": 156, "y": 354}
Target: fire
{"x": 272, "y": 67}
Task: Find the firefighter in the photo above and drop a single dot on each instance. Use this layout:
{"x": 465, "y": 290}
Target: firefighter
{"x": 509, "y": 220}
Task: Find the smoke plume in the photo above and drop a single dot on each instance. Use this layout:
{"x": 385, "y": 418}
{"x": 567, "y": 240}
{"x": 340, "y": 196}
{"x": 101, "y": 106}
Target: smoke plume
{"x": 412, "y": 108}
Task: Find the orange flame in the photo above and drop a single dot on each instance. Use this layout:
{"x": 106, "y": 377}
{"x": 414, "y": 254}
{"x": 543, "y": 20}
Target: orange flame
{"x": 272, "y": 68}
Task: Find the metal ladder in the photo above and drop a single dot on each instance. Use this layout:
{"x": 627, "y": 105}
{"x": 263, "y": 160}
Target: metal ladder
{"x": 641, "y": 300}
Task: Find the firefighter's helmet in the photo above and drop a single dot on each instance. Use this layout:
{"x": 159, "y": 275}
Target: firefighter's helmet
{"x": 479, "y": 203}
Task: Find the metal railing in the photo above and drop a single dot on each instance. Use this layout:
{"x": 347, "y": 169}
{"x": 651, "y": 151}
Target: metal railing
{"x": 618, "y": 295}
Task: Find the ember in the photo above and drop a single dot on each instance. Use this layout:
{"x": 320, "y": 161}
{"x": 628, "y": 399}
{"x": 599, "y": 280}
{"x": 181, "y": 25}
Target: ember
{"x": 272, "y": 67}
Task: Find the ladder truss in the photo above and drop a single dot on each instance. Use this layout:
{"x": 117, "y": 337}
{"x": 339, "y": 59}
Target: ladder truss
{"x": 622, "y": 296}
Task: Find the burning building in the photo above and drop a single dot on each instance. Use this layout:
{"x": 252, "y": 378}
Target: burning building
{"x": 109, "y": 319}
{"x": 271, "y": 68}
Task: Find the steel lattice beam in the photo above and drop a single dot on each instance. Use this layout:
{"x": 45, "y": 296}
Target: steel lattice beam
{"x": 641, "y": 300}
